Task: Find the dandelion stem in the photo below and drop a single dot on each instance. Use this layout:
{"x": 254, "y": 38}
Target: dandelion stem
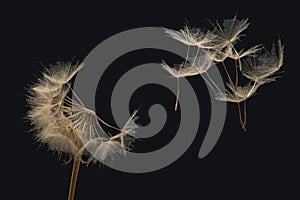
{"x": 75, "y": 170}
{"x": 245, "y": 115}
{"x": 242, "y": 121}
{"x": 213, "y": 89}
{"x": 187, "y": 55}
{"x": 238, "y": 55}
{"x": 240, "y": 65}
{"x": 196, "y": 56}
{"x": 229, "y": 78}
{"x": 213, "y": 82}
{"x": 240, "y": 114}
{"x": 251, "y": 90}
{"x": 177, "y": 95}
{"x": 236, "y": 76}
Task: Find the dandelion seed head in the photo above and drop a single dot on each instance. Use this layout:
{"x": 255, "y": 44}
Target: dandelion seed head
{"x": 64, "y": 123}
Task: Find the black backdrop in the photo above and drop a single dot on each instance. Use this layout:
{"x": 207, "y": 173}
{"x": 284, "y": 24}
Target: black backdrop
{"x": 256, "y": 164}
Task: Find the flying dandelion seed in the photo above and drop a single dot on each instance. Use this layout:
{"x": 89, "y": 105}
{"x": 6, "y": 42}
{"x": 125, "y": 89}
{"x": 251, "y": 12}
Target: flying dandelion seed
{"x": 262, "y": 67}
{"x": 215, "y": 47}
{"x": 229, "y": 32}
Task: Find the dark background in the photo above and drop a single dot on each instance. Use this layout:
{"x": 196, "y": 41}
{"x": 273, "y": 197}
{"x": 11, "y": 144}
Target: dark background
{"x": 261, "y": 163}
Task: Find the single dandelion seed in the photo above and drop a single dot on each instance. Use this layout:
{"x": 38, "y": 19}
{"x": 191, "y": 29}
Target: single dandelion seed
{"x": 238, "y": 94}
{"x": 229, "y": 32}
{"x": 262, "y": 67}
{"x": 198, "y": 65}
{"x": 187, "y": 36}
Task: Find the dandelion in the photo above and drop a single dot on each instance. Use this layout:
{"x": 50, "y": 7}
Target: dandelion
{"x": 264, "y": 66}
{"x": 238, "y": 94}
{"x": 192, "y": 36}
{"x": 198, "y": 65}
{"x": 179, "y": 71}
{"x": 67, "y": 126}
{"x": 229, "y": 32}
{"x": 185, "y": 36}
